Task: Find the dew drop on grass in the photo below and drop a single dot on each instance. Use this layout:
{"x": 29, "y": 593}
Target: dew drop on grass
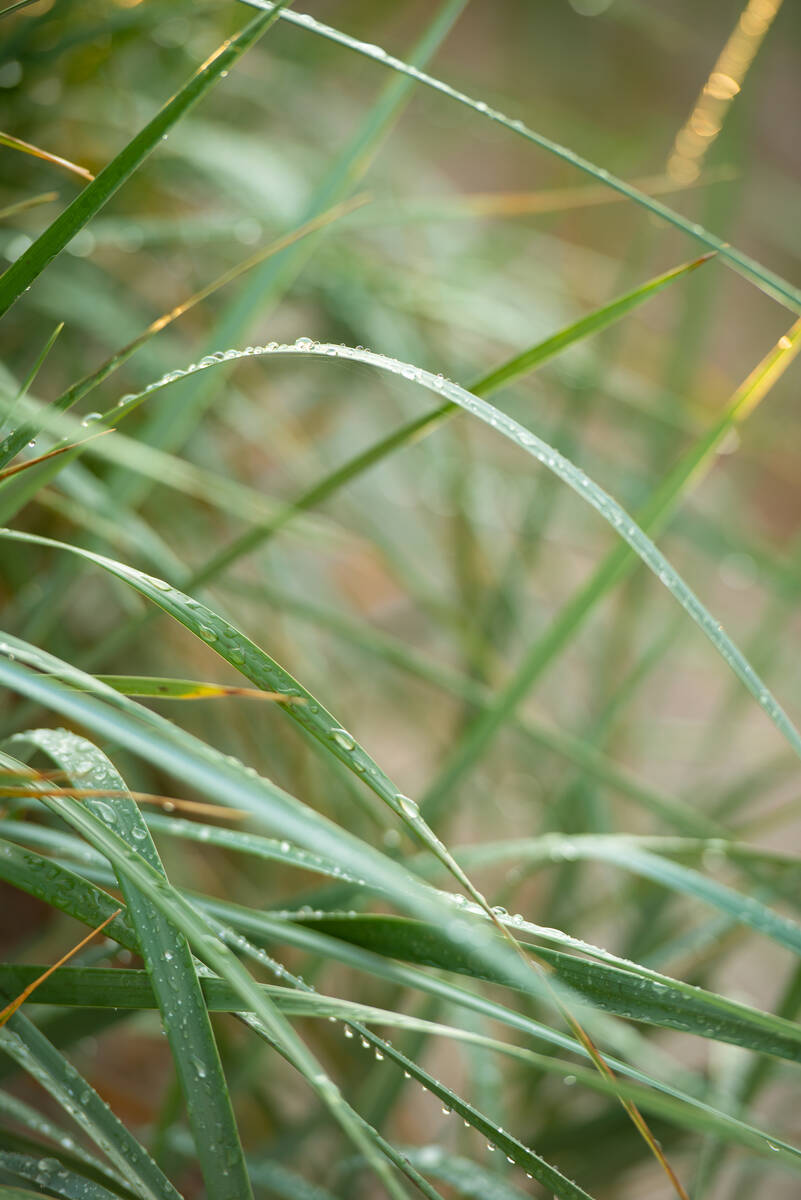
{"x": 207, "y": 634}
{"x": 90, "y": 418}
{"x": 343, "y": 739}
{"x": 303, "y": 343}
{"x": 408, "y": 806}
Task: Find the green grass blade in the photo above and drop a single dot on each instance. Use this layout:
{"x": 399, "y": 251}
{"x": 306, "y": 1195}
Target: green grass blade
{"x": 636, "y": 538}
{"x": 13, "y": 1109}
{"x": 626, "y": 990}
{"x": 28, "y": 382}
{"x": 30, "y": 1049}
{"x": 21, "y": 274}
{"x": 51, "y": 1174}
{"x": 770, "y": 283}
{"x": 169, "y": 962}
{"x": 626, "y": 854}
{"x": 266, "y": 673}
{"x": 514, "y": 368}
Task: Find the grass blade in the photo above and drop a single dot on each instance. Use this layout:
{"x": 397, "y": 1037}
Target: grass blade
{"x": 770, "y": 283}
{"x": 21, "y": 274}
{"x": 30, "y": 1049}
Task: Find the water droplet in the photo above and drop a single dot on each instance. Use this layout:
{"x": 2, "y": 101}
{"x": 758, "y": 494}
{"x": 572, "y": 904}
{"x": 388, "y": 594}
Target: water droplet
{"x": 303, "y": 343}
{"x": 207, "y": 634}
{"x": 343, "y": 739}
{"x": 91, "y": 417}
{"x": 408, "y": 806}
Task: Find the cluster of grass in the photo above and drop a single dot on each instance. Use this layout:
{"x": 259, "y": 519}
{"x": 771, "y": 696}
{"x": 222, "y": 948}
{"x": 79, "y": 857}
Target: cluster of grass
{"x": 415, "y": 755}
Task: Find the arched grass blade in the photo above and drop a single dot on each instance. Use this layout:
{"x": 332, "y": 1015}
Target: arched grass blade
{"x": 764, "y": 279}
{"x": 758, "y": 383}
{"x": 755, "y": 387}
{"x": 514, "y": 368}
